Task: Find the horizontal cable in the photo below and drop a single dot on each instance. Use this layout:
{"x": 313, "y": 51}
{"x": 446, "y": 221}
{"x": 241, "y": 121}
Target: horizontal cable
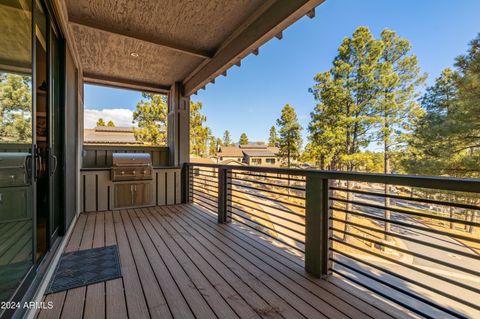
{"x": 213, "y": 188}
{"x": 271, "y": 206}
{"x": 203, "y": 189}
{"x": 202, "y": 195}
{"x": 446, "y": 183}
{"x": 268, "y": 191}
{"x": 269, "y": 176}
{"x": 268, "y": 221}
{"x": 409, "y": 266}
{"x": 199, "y": 171}
{"x": 267, "y": 234}
{"x": 302, "y": 189}
{"x": 267, "y": 227}
{"x": 395, "y": 287}
{"x": 407, "y": 225}
{"x": 409, "y": 252}
{"x": 269, "y": 213}
{"x": 407, "y": 212}
{"x": 202, "y": 182}
{"x": 408, "y": 238}
{"x": 413, "y": 199}
{"x": 210, "y": 177}
{"x": 408, "y": 279}
{"x": 268, "y": 198}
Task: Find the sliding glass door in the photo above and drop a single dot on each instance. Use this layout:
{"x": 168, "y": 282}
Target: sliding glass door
{"x": 16, "y": 145}
{"x": 31, "y": 144}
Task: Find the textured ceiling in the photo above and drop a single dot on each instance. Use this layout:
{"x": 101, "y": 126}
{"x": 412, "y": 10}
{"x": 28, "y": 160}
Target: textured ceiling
{"x": 135, "y": 26}
{"x": 15, "y": 36}
{"x": 108, "y": 55}
{"x": 186, "y": 22}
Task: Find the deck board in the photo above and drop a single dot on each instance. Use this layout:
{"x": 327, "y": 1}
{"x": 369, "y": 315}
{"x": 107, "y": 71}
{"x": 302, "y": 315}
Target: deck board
{"x": 177, "y": 262}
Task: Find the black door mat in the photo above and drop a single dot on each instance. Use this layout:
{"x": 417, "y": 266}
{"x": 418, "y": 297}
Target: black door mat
{"x": 85, "y": 267}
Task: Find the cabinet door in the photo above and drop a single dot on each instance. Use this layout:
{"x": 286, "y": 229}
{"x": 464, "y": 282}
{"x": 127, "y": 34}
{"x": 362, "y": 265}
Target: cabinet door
{"x": 14, "y": 203}
{"x": 123, "y": 195}
{"x": 142, "y": 193}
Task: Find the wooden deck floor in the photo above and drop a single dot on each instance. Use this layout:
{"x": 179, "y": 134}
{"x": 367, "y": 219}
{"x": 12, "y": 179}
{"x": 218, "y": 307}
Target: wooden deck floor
{"x": 177, "y": 262}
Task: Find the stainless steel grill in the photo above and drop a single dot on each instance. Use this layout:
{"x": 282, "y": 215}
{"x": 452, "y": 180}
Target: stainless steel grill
{"x": 131, "y": 167}
{"x": 14, "y": 169}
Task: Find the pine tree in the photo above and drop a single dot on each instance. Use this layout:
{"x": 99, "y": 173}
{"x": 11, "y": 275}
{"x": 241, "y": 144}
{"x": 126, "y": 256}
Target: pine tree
{"x": 243, "y": 139}
{"x": 396, "y": 105}
{"x": 15, "y": 108}
{"x": 199, "y": 134}
{"x": 343, "y": 118}
{"x": 151, "y": 117}
{"x": 100, "y": 123}
{"x": 213, "y": 145}
{"x": 290, "y": 139}
{"x": 227, "y": 140}
{"x": 447, "y": 139}
{"x": 273, "y": 137}
{"x": 431, "y": 144}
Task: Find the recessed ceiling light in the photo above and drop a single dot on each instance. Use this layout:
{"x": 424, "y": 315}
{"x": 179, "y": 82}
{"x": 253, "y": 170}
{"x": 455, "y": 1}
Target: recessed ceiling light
{"x": 134, "y": 54}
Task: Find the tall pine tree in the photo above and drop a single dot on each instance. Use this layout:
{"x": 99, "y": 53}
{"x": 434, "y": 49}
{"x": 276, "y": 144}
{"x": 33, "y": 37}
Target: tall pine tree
{"x": 243, "y": 139}
{"x": 290, "y": 139}
{"x": 227, "y": 139}
{"x": 273, "y": 137}
{"x": 343, "y": 118}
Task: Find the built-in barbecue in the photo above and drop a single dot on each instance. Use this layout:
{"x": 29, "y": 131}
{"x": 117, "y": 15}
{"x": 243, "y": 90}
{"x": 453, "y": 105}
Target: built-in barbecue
{"x": 15, "y": 181}
{"x": 131, "y": 174}
{"x": 131, "y": 167}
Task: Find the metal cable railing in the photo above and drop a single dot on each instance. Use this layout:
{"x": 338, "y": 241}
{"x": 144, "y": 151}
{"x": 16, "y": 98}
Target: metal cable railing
{"x": 412, "y": 240}
{"x": 271, "y": 203}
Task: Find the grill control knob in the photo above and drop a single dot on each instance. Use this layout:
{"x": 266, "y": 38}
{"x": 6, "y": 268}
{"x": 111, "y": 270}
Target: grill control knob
{"x": 122, "y": 173}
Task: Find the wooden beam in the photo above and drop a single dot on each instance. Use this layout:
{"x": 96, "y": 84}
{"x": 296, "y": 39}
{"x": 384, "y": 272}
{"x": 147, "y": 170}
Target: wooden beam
{"x": 145, "y": 38}
{"x": 311, "y": 13}
{"x": 125, "y": 84}
{"x": 273, "y": 20}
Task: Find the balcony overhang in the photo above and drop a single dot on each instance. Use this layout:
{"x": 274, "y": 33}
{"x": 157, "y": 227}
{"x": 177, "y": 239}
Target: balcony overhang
{"x": 152, "y": 44}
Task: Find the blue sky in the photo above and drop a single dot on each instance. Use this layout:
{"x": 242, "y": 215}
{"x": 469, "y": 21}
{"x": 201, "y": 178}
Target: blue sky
{"x": 250, "y": 98}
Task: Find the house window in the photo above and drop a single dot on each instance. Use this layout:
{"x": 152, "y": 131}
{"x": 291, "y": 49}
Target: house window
{"x": 256, "y": 161}
{"x": 270, "y": 161}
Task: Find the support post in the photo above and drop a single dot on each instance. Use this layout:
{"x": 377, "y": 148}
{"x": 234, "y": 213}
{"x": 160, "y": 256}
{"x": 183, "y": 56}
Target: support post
{"x": 317, "y": 222}
{"x": 222, "y": 195}
{"x": 178, "y": 130}
{"x": 186, "y": 183}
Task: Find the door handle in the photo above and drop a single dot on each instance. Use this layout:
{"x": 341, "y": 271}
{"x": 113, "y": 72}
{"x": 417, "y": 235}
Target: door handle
{"x": 54, "y": 164}
{"x": 37, "y": 163}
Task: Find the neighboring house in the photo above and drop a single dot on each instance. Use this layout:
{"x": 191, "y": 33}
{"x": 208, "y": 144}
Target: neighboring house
{"x": 110, "y": 135}
{"x": 251, "y": 154}
{"x": 230, "y": 153}
{"x": 232, "y": 162}
{"x": 201, "y": 160}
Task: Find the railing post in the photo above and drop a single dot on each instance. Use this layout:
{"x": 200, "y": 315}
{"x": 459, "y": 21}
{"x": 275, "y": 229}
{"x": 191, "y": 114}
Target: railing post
{"x": 186, "y": 183}
{"x": 317, "y": 232}
{"x": 223, "y": 195}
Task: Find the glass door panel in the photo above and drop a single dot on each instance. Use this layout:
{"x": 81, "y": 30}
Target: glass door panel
{"x": 16, "y": 144}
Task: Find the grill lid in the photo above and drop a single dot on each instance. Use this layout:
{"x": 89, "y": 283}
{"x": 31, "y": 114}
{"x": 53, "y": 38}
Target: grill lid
{"x": 13, "y": 160}
{"x": 14, "y": 169}
{"x": 131, "y": 159}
